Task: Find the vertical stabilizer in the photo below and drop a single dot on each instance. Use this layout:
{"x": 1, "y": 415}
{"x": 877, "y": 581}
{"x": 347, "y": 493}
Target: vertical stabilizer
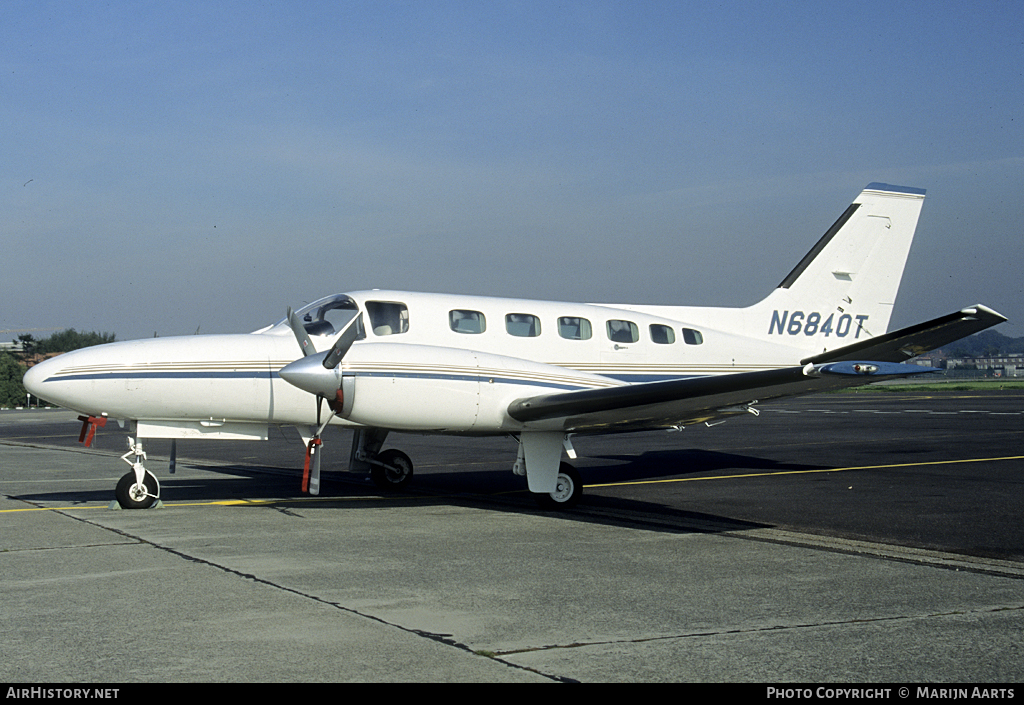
{"x": 845, "y": 287}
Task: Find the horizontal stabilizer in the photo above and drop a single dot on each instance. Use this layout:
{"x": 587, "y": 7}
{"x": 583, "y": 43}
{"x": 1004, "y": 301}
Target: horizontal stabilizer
{"x": 903, "y": 344}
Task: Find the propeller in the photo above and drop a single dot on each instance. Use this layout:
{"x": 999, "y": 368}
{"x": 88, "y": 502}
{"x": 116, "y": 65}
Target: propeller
{"x": 318, "y": 374}
{"x": 300, "y": 333}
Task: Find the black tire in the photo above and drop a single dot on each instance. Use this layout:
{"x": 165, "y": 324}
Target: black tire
{"x": 568, "y": 490}
{"x": 130, "y": 496}
{"x": 396, "y": 472}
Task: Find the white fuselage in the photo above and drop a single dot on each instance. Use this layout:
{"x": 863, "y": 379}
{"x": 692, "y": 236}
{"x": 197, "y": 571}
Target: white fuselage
{"x": 428, "y": 362}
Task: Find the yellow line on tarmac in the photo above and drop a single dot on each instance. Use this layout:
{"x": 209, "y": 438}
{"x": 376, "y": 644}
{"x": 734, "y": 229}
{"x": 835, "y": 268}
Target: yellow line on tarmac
{"x": 216, "y": 503}
{"x": 806, "y": 472}
{"x": 293, "y": 500}
{"x": 49, "y": 509}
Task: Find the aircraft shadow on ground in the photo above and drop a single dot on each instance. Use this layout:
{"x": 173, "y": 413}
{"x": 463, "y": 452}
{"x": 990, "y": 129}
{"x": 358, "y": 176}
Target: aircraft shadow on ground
{"x": 611, "y": 469}
{"x": 683, "y": 462}
{"x": 497, "y": 489}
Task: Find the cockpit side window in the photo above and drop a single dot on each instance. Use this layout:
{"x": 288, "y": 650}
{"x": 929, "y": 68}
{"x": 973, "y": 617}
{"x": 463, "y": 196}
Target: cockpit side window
{"x": 692, "y": 337}
{"x": 388, "y": 317}
{"x": 328, "y": 316}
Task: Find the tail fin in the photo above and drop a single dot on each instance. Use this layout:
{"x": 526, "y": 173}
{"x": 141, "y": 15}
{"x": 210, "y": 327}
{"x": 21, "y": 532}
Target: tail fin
{"x": 846, "y": 285}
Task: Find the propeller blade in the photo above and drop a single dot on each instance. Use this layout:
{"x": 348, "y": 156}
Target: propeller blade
{"x": 300, "y": 333}
{"x": 314, "y": 478}
{"x": 344, "y": 342}
{"x": 311, "y": 480}
{"x": 311, "y": 475}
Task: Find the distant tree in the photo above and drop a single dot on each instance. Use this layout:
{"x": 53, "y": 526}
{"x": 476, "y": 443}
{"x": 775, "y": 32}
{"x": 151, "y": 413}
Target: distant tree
{"x": 28, "y": 345}
{"x": 70, "y": 339}
{"x": 12, "y": 393}
{"x": 988, "y": 343}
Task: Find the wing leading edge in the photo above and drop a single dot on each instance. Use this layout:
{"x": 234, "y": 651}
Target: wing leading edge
{"x": 685, "y": 402}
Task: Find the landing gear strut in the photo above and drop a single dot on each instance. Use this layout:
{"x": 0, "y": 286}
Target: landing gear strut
{"x": 139, "y": 488}
{"x": 539, "y": 460}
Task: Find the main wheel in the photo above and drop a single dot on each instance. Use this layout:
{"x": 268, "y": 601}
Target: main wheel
{"x": 395, "y": 472}
{"x": 131, "y": 495}
{"x": 568, "y": 489}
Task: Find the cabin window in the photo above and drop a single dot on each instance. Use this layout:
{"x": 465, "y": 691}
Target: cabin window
{"x": 573, "y": 328}
{"x": 388, "y": 317}
{"x": 522, "y": 325}
{"x": 662, "y": 335}
{"x": 623, "y": 331}
{"x": 692, "y": 337}
{"x": 467, "y": 321}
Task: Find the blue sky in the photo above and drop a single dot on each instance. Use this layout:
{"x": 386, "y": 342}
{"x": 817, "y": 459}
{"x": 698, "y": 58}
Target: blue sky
{"x": 173, "y": 166}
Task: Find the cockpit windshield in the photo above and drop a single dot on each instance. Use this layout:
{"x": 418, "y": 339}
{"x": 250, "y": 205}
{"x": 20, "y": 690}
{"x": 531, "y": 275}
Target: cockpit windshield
{"x": 327, "y": 316}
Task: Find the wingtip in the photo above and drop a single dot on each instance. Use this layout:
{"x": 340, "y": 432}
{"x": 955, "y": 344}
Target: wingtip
{"x": 983, "y": 311}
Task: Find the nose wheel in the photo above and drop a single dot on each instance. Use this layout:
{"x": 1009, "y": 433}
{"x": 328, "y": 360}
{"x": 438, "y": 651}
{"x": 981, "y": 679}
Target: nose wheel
{"x": 132, "y": 494}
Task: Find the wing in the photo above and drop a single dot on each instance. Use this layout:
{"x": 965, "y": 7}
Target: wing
{"x": 685, "y": 402}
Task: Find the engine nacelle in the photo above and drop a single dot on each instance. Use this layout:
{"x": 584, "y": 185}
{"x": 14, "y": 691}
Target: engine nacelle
{"x": 410, "y": 387}
{"x": 428, "y": 388}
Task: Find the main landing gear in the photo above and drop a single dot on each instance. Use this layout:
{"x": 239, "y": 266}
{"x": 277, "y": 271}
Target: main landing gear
{"x": 539, "y": 460}
{"x": 568, "y": 490}
{"x": 390, "y": 469}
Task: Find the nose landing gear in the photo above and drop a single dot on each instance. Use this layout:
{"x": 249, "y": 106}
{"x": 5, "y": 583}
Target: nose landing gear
{"x": 139, "y": 488}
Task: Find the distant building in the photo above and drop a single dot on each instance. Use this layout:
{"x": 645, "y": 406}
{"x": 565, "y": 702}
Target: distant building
{"x": 995, "y": 366}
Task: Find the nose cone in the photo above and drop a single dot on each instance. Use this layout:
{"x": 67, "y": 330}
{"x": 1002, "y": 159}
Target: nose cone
{"x": 38, "y": 374}
{"x": 310, "y": 375}
{"x": 49, "y": 380}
